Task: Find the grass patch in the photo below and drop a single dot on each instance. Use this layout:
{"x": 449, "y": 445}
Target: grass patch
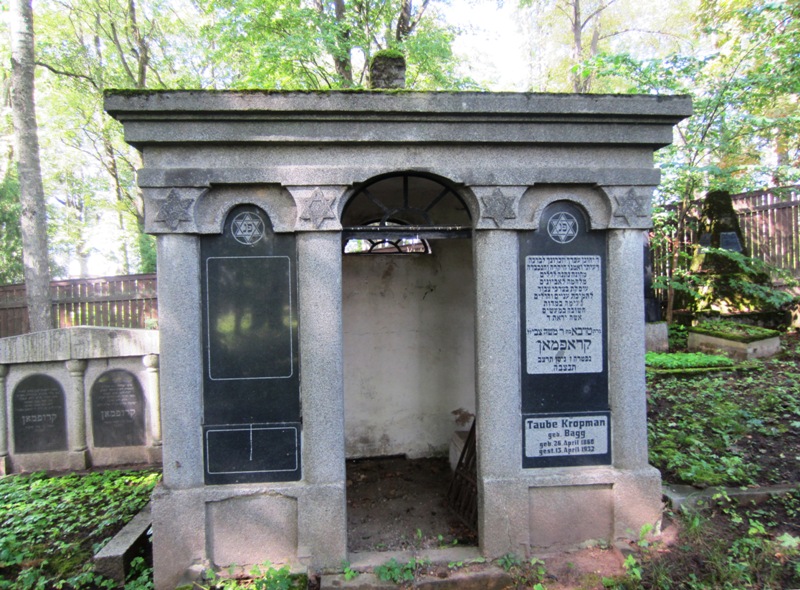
{"x": 51, "y": 526}
{"x": 724, "y": 544}
{"x": 686, "y": 360}
{"x": 732, "y": 428}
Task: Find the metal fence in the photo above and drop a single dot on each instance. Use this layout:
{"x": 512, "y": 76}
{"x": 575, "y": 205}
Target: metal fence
{"x": 127, "y": 301}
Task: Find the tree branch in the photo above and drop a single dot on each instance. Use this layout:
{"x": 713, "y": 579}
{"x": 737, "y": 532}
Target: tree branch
{"x": 68, "y": 74}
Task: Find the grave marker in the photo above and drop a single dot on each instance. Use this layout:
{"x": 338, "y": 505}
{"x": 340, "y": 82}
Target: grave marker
{"x": 39, "y": 415}
{"x": 251, "y": 431}
{"x": 118, "y": 410}
{"x": 565, "y": 417}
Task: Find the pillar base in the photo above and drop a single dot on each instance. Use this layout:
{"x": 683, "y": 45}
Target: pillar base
{"x": 224, "y": 526}
{"x": 52, "y": 461}
{"x": 565, "y": 508}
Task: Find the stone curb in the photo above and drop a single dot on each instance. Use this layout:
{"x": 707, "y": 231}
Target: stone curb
{"x": 690, "y": 496}
{"x": 114, "y": 560}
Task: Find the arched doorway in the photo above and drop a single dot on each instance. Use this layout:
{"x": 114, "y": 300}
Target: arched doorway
{"x": 408, "y": 320}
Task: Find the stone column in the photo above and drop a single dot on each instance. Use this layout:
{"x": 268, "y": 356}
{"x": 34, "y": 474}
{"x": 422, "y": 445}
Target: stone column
{"x": 626, "y": 348}
{"x": 4, "y": 467}
{"x": 322, "y": 515}
{"x": 181, "y": 360}
{"x": 76, "y": 407}
{"x": 150, "y": 361}
{"x": 179, "y": 509}
{"x": 501, "y": 509}
{"x": 637, "y": 490}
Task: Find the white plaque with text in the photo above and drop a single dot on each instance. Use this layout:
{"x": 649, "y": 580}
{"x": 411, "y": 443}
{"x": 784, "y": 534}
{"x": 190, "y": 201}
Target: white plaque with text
{"x": 564, "y": 314}
{"x": 566, "y": 436}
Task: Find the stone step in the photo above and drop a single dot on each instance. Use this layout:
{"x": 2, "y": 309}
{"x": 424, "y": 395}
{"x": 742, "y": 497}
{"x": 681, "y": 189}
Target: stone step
{"x": 114, "y": 560}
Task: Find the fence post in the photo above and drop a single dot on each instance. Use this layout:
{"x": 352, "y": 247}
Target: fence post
{"x": 5, "y": 468}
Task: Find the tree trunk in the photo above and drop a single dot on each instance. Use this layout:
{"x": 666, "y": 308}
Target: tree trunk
{"x": 34, "y": 215}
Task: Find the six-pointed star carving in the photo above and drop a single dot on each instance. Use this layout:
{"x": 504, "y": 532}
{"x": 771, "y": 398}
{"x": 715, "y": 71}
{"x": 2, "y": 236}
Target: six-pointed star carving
{"x": 318, "y": 209}
{"x": 498, "y": 207}
{"x": 247, "y": 228}
{"x": 173, "y": 210}
{"x": 562, "y": 227}
{"x": 631, "y": 206}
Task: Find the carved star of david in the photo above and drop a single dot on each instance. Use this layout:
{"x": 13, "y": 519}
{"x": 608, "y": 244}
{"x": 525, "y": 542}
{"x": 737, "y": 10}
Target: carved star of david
{"x": 318, "y": 209}
{"x": 498, "y": 207}
{"x": 562, "y": 227}
{"x": 631, "y": 206}
{"x": 173, "y": 210}
{"x": 247, "y": 228}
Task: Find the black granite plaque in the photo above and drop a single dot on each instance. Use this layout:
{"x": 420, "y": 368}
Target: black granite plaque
{"x": 118, "y": 410}
{"x": 564, "y": 358}
{"x": 39, "y": 416}
{"x": 251, "y": 380}
{"x": 242, "y": 453}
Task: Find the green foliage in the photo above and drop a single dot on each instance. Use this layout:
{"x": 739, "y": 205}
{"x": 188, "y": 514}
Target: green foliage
{"x": 698, "y": 426}
{"x": 11, "y": 270}
{"x": 399, "y": 573}
{"x": 508, "y": 561}
{"x": 348, "y": 572}
{"x": 749, "y": 284}
{"x": 293, "y": 45}
{"x": 263, "y": 577}
{"x": 723, "y": 544}
{"x": 686, "y": 360}
{"x": 733, "y": 330}
{"x": 51, "y": 526}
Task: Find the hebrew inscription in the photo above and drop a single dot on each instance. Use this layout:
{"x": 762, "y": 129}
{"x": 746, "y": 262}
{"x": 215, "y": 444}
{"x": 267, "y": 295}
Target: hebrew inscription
{"x": 564, "y": 315}
{"x": 39, "y": 415}
{"x": 118, "y": 410}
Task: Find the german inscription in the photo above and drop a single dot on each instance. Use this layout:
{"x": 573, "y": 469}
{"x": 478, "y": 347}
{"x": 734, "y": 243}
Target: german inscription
{"x": 565, "y": 436}
{"x": 564, "y": 315}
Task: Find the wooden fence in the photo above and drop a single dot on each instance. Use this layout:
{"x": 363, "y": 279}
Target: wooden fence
{"x": 770, "y": 224}
{"x": 127, "y": 301}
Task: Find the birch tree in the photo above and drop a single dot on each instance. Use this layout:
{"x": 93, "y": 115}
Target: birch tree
{"x": 33, "y": 215}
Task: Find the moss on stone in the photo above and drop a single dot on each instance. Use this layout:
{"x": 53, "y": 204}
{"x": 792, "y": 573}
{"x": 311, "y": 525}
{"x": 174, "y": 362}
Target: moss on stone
{"x": 730, "y": 330}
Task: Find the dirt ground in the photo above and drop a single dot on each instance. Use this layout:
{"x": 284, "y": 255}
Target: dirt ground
{"x": 399, "y": 504}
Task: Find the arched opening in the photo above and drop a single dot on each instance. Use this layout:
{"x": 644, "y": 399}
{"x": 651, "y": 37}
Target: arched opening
{"x": 409, "y": 355}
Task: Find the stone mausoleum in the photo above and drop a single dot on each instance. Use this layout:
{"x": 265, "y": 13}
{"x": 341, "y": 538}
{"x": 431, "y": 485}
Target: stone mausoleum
{"x": 350, "y": 274}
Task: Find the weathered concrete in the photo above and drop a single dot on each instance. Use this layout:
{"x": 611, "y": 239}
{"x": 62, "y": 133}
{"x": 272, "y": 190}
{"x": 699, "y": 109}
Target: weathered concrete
{"x": 300, "y": 157}
{"x": 76, "y": 358}
{"x": 656, "y": 337}
{"x": 739, "y": 350}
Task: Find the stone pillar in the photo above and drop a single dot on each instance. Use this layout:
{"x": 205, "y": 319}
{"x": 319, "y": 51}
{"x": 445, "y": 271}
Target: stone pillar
{"x": 76, "y": 407}
{"x": 322, "y": 527}
{"x": 179, "y": 515}
{"x": 5, "y": 468}
{"x": 150, "y": 361}
{"x": 497, "y": 352}
{"x": 626, "y": 348}
{"x": 637, "y": 490}
{"x": 181, "y": 360}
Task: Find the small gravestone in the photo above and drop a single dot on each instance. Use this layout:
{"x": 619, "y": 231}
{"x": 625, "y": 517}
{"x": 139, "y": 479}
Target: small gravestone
{"x": 117, "y": 410}
{"x": 565, "y": 411}
{"x": 39, "y": 417}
